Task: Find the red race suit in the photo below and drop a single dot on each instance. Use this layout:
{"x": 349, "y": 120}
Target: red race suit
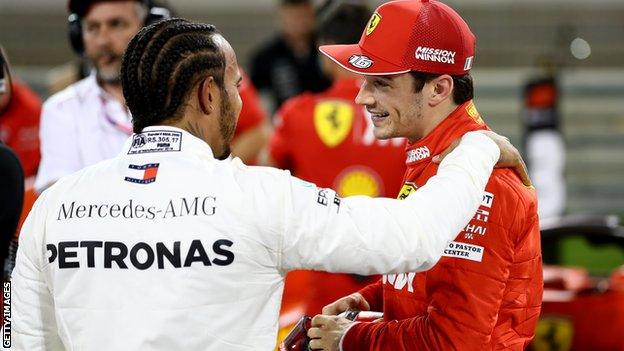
{"x": 486, "y": 291}
{"x": 327, "y": 139}
{"x": 19, "y": 126}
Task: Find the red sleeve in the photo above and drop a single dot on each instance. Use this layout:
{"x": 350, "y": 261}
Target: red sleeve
{"x": 251, "y": 114}
{"x": 464, "y": 296}
{"x": 373, "y": 294}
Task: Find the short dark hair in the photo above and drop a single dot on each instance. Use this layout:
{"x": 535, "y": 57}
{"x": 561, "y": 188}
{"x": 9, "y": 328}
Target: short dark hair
{"x": 161, "y": 65}
{"x": 343, "y": 24}
{"x": 463, "y": 89}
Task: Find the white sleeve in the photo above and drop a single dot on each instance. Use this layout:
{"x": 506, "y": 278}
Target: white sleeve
{"x": 378, "y": 236}
{"x": 59, "y": 152}
{"x": 33, "y": 321}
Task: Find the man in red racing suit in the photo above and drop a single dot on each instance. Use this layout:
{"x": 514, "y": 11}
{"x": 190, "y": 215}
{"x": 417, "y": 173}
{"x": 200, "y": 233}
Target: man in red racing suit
{"x": 485, "y": 293}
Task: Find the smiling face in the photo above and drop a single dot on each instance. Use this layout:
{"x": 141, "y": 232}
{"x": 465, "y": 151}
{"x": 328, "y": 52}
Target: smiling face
{"x": 396, "y": 109}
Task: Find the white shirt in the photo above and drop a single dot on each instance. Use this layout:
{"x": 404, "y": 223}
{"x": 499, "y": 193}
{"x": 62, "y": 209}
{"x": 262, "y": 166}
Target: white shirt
{"x": 166, "y": 248}
{"x": 80, "y": 126}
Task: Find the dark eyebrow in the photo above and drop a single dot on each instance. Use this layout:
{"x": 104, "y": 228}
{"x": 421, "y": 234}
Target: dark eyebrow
{"x": 240, "y": 80}
{"x": 385, "y": 77}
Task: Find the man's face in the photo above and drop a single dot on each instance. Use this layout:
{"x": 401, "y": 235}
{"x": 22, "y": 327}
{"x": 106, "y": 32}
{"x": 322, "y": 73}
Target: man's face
{"x": 107, "y": 29}
{"x": 395, "y": 108}
{"x": 231, "y": 103}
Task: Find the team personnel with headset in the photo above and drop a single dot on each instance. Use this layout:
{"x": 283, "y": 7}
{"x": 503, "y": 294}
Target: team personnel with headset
{"x": 205, "y": 271}
{"x": 88, "y": 121}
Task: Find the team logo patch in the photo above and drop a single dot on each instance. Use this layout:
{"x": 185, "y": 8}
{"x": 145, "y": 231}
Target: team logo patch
{"x": 488, "y": 199}
{"x": 468, "y": 63}
{"x": 333, "y": 121}
{"x": 156, "y": 141}
{"x": 358, "y": 181}
{"x": 146, "y": 172}
{"x": 464, "y": 251}
{"x": 553, "y": 333}
{"x": 407, "y": 189}
{"x": 373, "y": 23}
{"x": 435, "y": 55}
{"x": 360, "y": 61}
{"x": 418, "y": 154}
{"x": 471, "y": 109}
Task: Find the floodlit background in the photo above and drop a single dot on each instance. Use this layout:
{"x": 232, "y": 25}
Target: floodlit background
{"x": 581, "y": 42}
{"x": 513, "y": 38}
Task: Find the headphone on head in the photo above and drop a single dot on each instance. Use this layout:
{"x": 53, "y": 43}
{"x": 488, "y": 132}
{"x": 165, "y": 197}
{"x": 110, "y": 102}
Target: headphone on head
{"x": 155, "y": 13}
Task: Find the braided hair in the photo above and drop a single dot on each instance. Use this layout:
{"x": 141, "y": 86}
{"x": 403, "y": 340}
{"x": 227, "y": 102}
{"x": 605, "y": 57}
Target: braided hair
{"x": 161, "y": 65}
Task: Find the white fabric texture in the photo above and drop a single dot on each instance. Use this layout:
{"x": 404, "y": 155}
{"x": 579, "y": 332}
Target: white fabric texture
{"x": 80, "y": 126}
{"x": 207, "y": 244}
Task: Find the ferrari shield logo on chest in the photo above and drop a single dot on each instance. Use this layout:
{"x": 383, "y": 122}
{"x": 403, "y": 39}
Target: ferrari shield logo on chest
{"x": 333, "y": 121}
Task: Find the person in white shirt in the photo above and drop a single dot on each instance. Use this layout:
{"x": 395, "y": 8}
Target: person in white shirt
{"x": 88, "y": 121}
{"x": 167, "y": 247}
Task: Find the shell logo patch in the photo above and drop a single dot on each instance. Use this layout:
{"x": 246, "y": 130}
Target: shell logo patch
{"x": 333, "y": 121}
{"x": 553, "y": 333}
{"x": 407, "y": 189}
{"x": 471, "y": 109}
{"x": 358, "y": 181}
{"x": 372, "y": 23}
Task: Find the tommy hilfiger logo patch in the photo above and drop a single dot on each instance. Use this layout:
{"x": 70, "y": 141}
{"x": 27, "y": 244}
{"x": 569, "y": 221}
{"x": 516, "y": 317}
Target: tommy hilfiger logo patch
{"x": 146, "y": 172}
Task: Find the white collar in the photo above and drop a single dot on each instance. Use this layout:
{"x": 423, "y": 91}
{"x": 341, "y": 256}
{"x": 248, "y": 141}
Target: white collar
{"x": 164, "y": 139}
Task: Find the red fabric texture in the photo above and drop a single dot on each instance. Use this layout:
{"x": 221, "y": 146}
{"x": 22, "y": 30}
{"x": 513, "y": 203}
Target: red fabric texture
{"x": 491, "y": 303}
{"x": 19, "y": 126}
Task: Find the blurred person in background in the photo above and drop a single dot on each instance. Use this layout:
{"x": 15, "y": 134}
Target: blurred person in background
{"x": 288, "y": 64}
{"x": 347, "y": 156}
{"x": 11, "y": 177}
{"x": 88, "y": 121}
{"x": 20, "y": 108}
{"x": 486, "y": 292}
{"x": 543, "y": 131}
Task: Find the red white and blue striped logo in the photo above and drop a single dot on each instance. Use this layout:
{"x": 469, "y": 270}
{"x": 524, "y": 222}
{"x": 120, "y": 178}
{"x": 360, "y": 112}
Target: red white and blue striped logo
{"x": 145, "y": 174}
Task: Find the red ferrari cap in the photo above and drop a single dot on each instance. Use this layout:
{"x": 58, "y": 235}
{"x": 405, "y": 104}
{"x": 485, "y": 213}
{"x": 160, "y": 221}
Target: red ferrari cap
{"x": 409, "y": 35}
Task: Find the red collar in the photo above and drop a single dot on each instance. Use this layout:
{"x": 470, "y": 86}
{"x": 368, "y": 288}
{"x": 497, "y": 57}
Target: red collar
{"x": 465, "y": 118}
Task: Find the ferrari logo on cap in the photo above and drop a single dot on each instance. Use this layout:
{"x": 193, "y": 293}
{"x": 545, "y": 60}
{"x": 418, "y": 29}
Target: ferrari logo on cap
{"x": 372, "y": 23}
{"x": 333, "y": 121}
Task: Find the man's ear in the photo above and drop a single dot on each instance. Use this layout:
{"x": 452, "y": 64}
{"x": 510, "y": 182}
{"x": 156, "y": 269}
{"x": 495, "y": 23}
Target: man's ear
{"x": 442, "y": 89}
{"x": 206, "y": 95}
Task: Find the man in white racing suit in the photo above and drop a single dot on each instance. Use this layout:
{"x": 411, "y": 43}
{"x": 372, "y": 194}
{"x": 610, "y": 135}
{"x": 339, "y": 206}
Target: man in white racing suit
{"x": 166, "y": 247}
